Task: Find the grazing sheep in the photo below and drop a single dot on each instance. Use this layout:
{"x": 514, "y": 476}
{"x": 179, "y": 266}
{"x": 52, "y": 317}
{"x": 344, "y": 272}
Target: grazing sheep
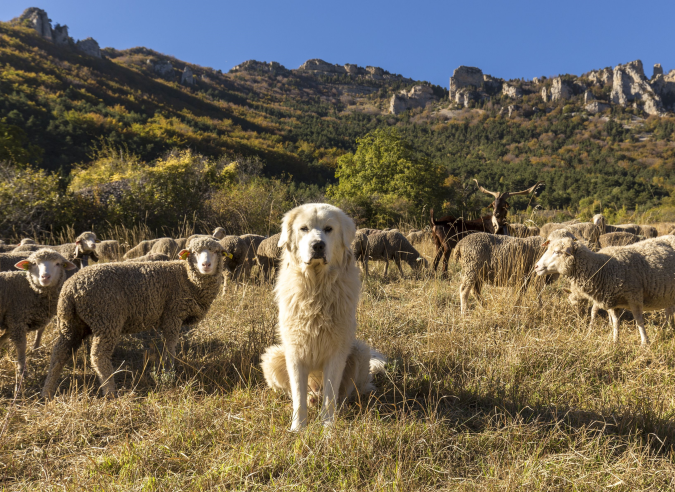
{"x": 619, "y": 239}
{"x": 8, "y": 260}
{"x": 150, "y": 257}
{"x": 417, "y": 237}
{"x": 664, "y": 228}
{"x": 392, "y": 245}
{"x": 6, "y": 248}
{"x": 166, "y": 246}
{"x": 219, "y": 233}
{"x": 181, "y": 242}
{"x": 85, "y": 244}
{"x": 113, "y": 299}
{"x": 109, "y": 250}
{"x": 235, "y": 255}
{"x": 549, "y": 227}
{"x": 638, "y": 230}
{"x": 142, "y": 248}
{"x": 648, "y": 231}
{"x": 532, "y": 231}
{"x": 638, "y": 277}
{"x": 28, "y": 298}
{"x": 252, "y": 242}
{"x": 498, "y": 260}
{"x": 367, "y": 231}
{"x": 360, "y": 247}
{"x": 268, "y": 255}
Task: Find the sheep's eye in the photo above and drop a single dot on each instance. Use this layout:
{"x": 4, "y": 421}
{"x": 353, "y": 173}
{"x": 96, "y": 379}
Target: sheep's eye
{"x": 327, "y": 229}
{"x": 304, "y": 228}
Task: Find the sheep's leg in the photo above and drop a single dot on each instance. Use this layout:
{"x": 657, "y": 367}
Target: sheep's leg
{"x": 18, "y": 337}
{"x": 4, "y": 337}
{"x": 670, "y": 311}
{"x": 476, "y": 293}
{"x": 101, "y": 353}
{"x": 386, "y": 266}
{"x": 464, "y": 291}
{"x": 64, "y": 348}
{"x": 171, "y": 330}
{"x": 640, "y": 320}
{"x": 365, "y": 265}
{"x": 615, "y": 323}
{"x": 38, "y": 338}
{"x": 298, "y": 375}
{"x": 594, "y": 314}
{"x": 398, "y": 264}
{"x": 332, "y": 377}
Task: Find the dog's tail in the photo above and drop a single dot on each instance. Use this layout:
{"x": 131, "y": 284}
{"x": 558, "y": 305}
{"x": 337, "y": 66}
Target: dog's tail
{"x": 377, "y": 362}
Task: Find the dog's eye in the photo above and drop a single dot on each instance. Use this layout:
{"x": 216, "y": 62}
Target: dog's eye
{"x": 327, "y": 229}
{"x": 304, "y": 228}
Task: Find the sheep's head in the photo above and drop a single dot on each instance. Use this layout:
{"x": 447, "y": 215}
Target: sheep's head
{"x": 558, "y": 257}
{"x": 26, "y": 241}
{"x": 204, "y": 254}
{"x": 86, "y": 243}
{"x": 46, "y": 268}
{"x": 219, "y": 233}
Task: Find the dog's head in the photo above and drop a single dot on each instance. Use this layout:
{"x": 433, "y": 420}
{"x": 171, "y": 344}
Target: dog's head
{"x": 317, "y": 233}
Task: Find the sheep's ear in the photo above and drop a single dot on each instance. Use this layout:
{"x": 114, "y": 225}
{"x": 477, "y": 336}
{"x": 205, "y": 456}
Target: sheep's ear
{"x": 184, "y": 253}
{"x": 227, "y": 255}
{"x": 78, "y": 241}
{"x": 69, "y": 265}
{"x": 23, "y": 265}
{"x": 97, "y": 241}
{"x": 546, "y": 243}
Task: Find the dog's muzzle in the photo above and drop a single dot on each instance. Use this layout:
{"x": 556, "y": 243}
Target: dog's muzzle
{"x": 318, "y": 250}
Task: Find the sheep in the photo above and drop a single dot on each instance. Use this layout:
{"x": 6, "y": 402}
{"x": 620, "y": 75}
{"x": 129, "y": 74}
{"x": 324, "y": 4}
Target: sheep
{"x": 149, "y": 257}
{"x": 6, "y": 248}
{"x": 252, "y": 243}
{"x": 181, "y": 242}
{"x": 268, "y": 254}
{"x": 392, "y": 245}
{"x": 360, "y": 247}
{"x": 165, "y": 246}
{"x": 28, "y": 298}
{"x": 416, "y": 237}
{"x": 113, "y": 299}
{"x": 648, "y": 231}
{"x": 517, "y": 230}
{"x": 219, "y": 233}
{"x": 532, "y": 231}
{"x": 367, "y": 231}
{"x": 85, "y": 244}
{"x": 619, "y": 239}
{"x": 8, "y": 260}
{"x": 235, "y": 251}
{"x": 142, "y": 248}
{"x": 109, "y": 250}
{"x": 664, "y": 228}
{"x": 638, "y": 277}
{"x": 498, "y": 260}
{"x": 549, "y": 227}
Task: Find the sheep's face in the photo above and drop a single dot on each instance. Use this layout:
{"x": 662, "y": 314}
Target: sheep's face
{"x": 219, "y": 233}
{"x": 557, "y": 257}
{"x": 46, "y": 270}
{"x": 204, "y": 254}
{"x": 86, "y": 242}
{"x": 317, "y": 234}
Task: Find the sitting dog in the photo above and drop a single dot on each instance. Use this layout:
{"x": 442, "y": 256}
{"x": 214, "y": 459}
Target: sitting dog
{"x": 317, "y": 291}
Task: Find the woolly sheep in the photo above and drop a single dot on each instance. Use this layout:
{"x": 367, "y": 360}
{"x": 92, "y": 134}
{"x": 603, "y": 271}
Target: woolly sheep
{"x": 85, "y": 244}
{"x": 235, "y": 254}
{"x": 165, "y": 246}
{"x": 664, "y": 228}
{"x": 360, "y": 247}
{"x": 142, "y": 248}
{"x": 109, "y": 250}
{"x": 8, "y": 260}
{"x": 368, "y": 232}
{"x": 518, "y": 230}
{"x": 268, "y": 255}
{"x": 6, "y": 248}
{"x": 150, "y": 257}
{"x": 28, "y": 298}
{"x": 638, "y": 277}
{"x": 181, "y": 242}
{"x": 219, "y": 233}
{"x": 638, "y": 230}
{"x": 393, "y": 245}
{"x": 114, "y": 299}
{"x": 619, "y": 239}
{"x": 416, "y": 237}
{"x": 549, "y": 227}
{"x": 496, "y": 259}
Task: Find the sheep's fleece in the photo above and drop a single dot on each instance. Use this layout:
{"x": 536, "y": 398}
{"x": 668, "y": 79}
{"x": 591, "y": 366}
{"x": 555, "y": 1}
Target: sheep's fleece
{"x": 117, "y": 298}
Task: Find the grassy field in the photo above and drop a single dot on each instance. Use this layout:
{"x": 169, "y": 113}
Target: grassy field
{"x": 511, "y": 397}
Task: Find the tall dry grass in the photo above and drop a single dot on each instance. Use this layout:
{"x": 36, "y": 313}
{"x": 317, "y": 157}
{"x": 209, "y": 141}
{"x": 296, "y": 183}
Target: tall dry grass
{"x": 513, "y": 396}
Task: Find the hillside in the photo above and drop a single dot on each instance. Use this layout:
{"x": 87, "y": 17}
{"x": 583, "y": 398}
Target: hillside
{"x": 592, "y": 142}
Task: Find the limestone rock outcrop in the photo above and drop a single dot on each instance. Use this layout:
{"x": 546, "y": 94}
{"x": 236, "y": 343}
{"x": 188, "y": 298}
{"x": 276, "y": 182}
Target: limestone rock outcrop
{"x": 588, "y": 97}
{"x": 658, "y": 70}
{"x": 89, "y": 46}
{"x": 258, "y": 66}
{"x": 630, "y": 85}
{"x": 465, "y": 76}
{"x": 560, "y": 90}
{"x": 664, "y": 86}
{"x": 316, "y": 66}
{"x": 418, "y": 97}
{"x": 545, "y": 94}
{"x": 60, "y": 34}
{"x": 464, "y": 96}
{"x": 512, "y": 91}
{"x": 601, "y": 77}
{"x": 595, "y": 107}
{"x": 187, "y": 77}
{"x": 39, "y": 20}
{"x": 163, "y": 68}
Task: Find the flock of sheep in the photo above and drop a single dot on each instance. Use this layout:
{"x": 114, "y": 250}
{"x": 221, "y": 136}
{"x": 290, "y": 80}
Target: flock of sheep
{"x": 609, "y": 267}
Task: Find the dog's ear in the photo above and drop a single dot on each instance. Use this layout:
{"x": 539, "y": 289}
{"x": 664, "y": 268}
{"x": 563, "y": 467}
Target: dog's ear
{"x": 285, "y": 240}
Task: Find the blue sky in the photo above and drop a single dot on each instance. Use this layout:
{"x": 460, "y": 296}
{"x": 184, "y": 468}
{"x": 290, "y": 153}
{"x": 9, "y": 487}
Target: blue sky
{"x": 419, "y": 39}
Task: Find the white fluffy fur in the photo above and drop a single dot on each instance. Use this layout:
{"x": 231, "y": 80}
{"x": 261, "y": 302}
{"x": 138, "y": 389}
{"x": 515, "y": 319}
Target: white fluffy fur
{"x": 317, "y": 296}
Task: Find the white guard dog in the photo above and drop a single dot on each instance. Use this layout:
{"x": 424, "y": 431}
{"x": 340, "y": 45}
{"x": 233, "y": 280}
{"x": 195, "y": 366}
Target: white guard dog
{"x": 317, "y": 291}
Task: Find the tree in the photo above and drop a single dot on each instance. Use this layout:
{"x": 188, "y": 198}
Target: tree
{"x": 385, "y": 170}
{"x": 15, "y": 148}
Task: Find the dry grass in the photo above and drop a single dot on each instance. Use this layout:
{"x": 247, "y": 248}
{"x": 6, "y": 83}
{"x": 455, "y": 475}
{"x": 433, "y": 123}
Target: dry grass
{"x": 510, "y": 397}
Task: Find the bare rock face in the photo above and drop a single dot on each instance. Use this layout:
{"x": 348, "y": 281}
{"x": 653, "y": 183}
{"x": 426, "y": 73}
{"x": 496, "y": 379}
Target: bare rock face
{"x": 588, "y": 97}
{"x": 258, "y": 66}
{"x": 39, "y": 20}
{"x": 601, "y": 77}
{"x": 317, "y": 65}
{"x": 595, "y": 107}
{"x": 658, "y": 70}
{"x": 560, "y": 90}
{"x": 464, "y": 96}
{"x": 89, "y": 46}
{"x": 630, "y": 86}
{"x": 187, "y": 77}
{"x": 664, "y": 86}
{"x": 512, "y": 91}
{"x": 465, "y": 76}
{"x": 60, "y": 34}
{"x": 320, "y": 67}
{"x": 513, "y": 109}
{"x": 544, "y": 94}
{"x": 417, "y": 97}
{"x": 163, "y": 68}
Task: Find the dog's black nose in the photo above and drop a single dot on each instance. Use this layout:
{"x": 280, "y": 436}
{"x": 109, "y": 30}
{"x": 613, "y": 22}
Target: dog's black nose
{"x": 319, "y": 246}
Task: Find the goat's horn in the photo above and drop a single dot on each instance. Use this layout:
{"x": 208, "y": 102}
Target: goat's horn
{"x": 493, "y": 193}
{"x": 527, "y": 191}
